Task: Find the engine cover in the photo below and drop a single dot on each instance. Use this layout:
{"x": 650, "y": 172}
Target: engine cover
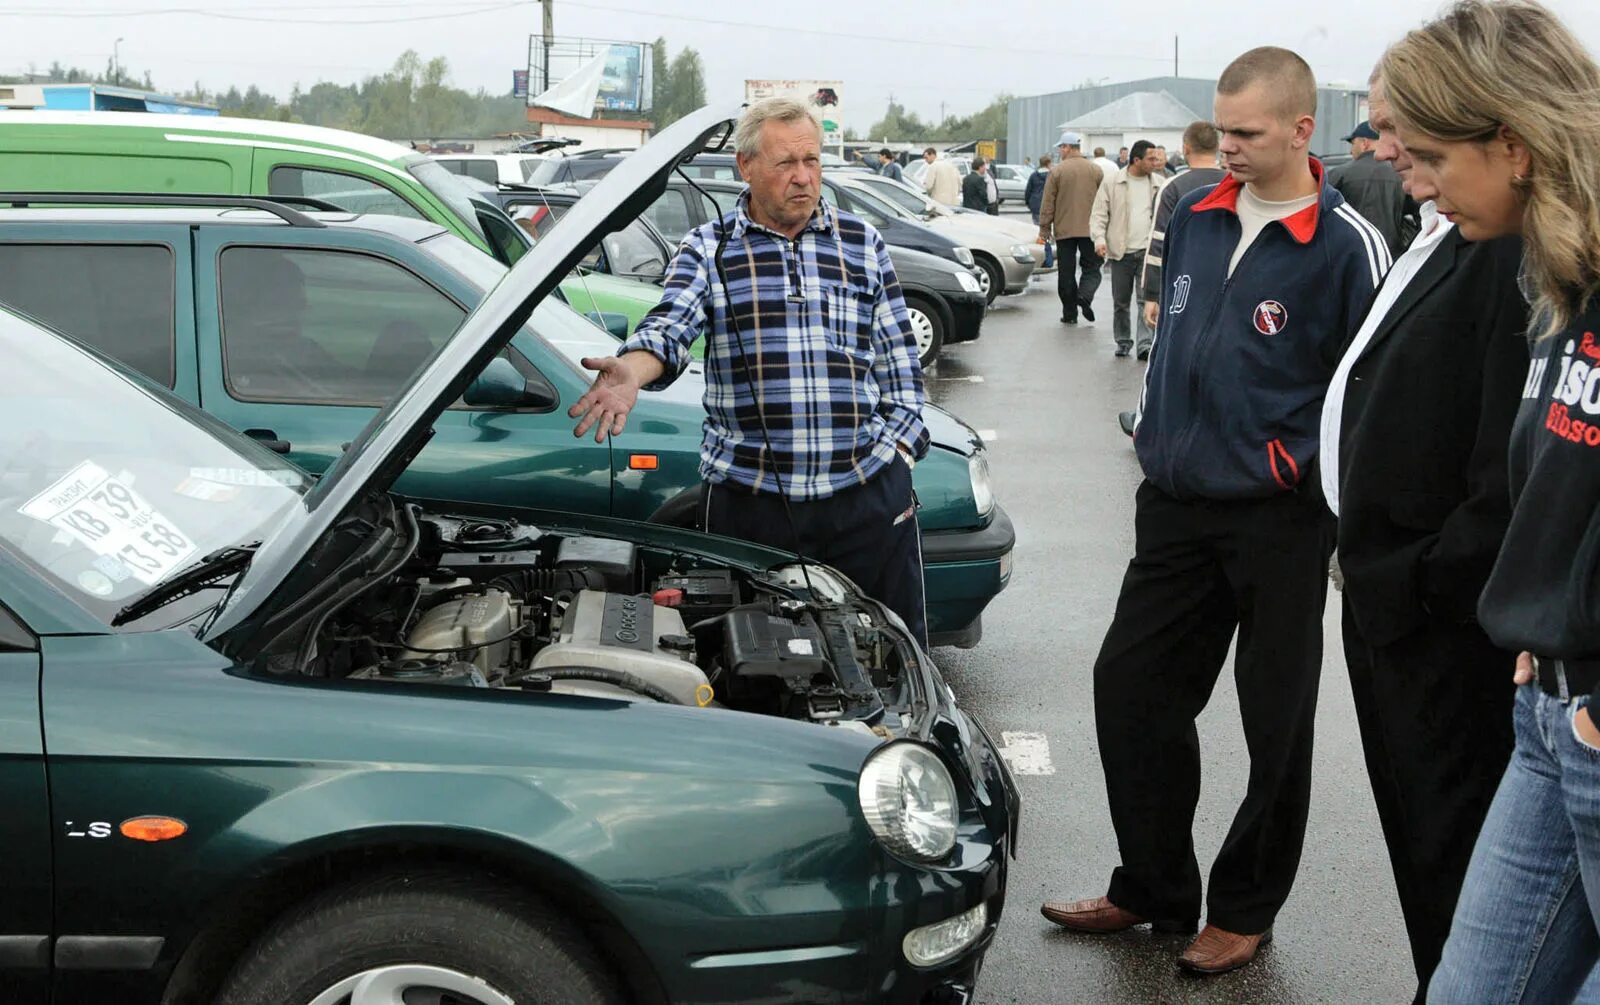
{"x": 470, "y": 621}
{"x": 615, "y": 631}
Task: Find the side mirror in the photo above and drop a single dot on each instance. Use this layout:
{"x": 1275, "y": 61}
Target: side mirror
{"x": 612, "y": 321}
{"x": 500, "y": 385}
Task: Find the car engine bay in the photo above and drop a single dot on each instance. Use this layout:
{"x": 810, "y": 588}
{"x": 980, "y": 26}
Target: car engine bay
{"x": 485, "y": 602}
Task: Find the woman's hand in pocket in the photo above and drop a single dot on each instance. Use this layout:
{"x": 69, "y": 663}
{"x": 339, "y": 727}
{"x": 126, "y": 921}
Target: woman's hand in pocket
{"x": 1583, "y": 724}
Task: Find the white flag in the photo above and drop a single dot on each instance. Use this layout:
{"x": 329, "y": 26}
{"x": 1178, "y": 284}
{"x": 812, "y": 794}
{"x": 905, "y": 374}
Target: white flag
{"x": 576, "y": 95}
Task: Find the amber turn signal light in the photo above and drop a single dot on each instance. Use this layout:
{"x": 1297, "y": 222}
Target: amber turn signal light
{"x": 642, "y": 462}
{"x": 153, "y": 828}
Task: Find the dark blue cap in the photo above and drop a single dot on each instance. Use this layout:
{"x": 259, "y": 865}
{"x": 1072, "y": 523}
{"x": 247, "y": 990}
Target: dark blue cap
{"x": 1364, "y": 131}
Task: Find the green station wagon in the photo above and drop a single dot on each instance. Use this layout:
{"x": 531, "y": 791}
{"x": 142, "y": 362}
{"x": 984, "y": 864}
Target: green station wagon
{"x": 185, "y": 154}
{"x": 267, "y": 740}
{"x": 296, "y": 327}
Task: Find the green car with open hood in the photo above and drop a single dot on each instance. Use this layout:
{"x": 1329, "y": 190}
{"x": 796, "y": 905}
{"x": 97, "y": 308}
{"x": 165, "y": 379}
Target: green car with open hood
{"x": 268, "y": 740}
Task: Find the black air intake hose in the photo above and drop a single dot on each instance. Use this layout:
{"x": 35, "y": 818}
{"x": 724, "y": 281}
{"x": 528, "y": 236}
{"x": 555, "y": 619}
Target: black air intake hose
{"x": 531, "y": 581}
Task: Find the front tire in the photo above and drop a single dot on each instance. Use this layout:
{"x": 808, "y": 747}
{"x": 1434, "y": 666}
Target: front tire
{"x": 927, "y": 324}
{"x": 434, "y": 936}
{"x": 991, "y": 277}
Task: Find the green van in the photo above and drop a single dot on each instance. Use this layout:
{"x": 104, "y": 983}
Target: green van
{"x": 172, "y": 154}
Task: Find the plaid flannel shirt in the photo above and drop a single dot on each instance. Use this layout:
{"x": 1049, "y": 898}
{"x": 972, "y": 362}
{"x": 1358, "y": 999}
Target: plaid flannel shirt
{"x": 827, "y": 342}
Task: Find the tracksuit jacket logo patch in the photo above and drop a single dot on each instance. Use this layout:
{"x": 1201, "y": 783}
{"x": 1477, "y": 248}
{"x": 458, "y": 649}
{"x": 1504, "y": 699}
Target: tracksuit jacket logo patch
{"x": 1269, "y": 317}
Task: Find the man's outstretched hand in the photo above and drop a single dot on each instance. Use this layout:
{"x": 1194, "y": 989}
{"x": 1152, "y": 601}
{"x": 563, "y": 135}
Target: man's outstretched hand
{"x": 606, "y": 404}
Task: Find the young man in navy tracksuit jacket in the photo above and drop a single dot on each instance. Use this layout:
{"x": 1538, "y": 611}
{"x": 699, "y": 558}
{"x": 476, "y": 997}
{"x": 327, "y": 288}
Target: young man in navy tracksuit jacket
{"x": 1259, "y": 298}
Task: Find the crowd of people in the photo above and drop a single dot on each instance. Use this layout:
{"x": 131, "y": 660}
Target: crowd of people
{"x": 1395, "y": 364}
{"x": 1396, "y": 371}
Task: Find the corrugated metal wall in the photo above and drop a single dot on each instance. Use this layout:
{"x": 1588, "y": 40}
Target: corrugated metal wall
{"x": 1032, "y": 121}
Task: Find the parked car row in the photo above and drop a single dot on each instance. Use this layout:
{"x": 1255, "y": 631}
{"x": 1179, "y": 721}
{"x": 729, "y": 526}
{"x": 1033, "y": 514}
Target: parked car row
{"x": 444, "y": 718}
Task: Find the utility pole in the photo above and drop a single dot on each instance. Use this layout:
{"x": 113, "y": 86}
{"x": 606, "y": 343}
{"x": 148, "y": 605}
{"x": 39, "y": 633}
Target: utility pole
{"x": 1174, "y": 55}
{"x": 549, "y": 37}
{"x": 116, "y": 62}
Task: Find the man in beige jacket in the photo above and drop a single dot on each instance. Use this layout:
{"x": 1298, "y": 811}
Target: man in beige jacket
{"x": 1119, "y": 224}
{"x": 941, "y": 181}
{"x": 1068, "y": 197}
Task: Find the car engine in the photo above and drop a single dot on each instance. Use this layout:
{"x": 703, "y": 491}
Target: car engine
{"x": 491, "y": 603}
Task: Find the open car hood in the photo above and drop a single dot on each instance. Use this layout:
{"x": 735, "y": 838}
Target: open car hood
{"x": 400, "y": 430}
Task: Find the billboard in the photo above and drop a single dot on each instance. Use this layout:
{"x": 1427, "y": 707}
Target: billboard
{"x": 519, "y": 83}
{"x": 622, "y": 83}
{"x": 821, "y": 95}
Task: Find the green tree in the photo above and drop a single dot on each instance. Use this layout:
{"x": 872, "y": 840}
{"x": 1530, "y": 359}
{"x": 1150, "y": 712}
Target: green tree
{"x": 660, "y": 77}
{"x": 686, "y": 89}
{"x": 899, "y": 125}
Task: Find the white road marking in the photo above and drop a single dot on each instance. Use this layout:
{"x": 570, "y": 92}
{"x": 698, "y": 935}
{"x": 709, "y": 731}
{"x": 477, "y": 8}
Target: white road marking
{"x": 1027, "y": 753}
{"x": 973, "y": 379}
{"x": 988, "y": 435}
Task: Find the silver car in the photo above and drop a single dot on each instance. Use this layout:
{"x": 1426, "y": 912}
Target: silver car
{"x": 998, "y": 243}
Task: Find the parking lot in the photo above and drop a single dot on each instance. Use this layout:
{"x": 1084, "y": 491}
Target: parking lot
{"x": 1045, "y": 396}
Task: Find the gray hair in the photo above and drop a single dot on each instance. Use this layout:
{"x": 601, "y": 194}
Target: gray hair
{"x": 747, "y": 134}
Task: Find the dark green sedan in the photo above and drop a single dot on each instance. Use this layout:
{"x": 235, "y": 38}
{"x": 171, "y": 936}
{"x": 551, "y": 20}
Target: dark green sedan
{"x": 275, "y": 742}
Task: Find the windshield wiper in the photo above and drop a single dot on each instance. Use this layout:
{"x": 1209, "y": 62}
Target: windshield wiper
{"x": 202, "y": 575}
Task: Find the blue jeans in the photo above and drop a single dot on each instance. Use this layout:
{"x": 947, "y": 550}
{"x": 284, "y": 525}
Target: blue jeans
{"x": 1525, "y": 927}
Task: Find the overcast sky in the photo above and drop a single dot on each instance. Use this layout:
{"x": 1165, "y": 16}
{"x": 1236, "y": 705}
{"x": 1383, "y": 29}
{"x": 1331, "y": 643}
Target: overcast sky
{"x": 925, "y": 53}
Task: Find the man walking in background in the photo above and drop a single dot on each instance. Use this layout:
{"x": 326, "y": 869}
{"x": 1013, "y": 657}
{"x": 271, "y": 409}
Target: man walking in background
{"x": 975, "y": 187}
{"x": 1068, "y": 198}
{"x": 1033, "y": 195}
{"x": 1107, "y": 166}
{"x": 942, "y": 181}
{"x": 1122, "y": 158}
{"x": 1266, "y": 274}
{"x": 1200, "y": 153}
{"x": 887, "y": 167}
{"x": 1119, "y": 224}
{"x": 1166, "y": 165}
{"x": 1372, "y": 188}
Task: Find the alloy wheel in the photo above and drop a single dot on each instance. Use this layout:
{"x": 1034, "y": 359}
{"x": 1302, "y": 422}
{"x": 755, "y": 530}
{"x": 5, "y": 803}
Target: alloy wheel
{"x": 922, "y": 328}
{"x": 411, "y": 984}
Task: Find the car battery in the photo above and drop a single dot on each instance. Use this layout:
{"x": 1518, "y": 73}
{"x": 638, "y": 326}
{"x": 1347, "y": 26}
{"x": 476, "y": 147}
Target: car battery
{"x": 702, "y": 594}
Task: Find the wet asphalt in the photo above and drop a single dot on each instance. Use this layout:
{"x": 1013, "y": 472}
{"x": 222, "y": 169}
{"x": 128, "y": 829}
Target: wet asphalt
{"x": 1046, "y": 395}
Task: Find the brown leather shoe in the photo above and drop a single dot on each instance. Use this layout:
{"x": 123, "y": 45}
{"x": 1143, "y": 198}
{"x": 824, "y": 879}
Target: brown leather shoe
{"x": 1217, "y": 951}
{"x": 1101, "y": 916}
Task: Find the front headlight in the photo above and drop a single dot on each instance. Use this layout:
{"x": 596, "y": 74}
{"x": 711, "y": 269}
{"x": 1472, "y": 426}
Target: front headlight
{"x": 964, "y": 256}
{"x": 967, "y": 281}
{"x": 1022, "y": 252}
{"x": 909, "y": 801}
{"x": 982, "y": 493}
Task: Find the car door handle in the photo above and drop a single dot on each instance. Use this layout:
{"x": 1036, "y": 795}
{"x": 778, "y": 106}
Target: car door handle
{"x": 267, "y": 438}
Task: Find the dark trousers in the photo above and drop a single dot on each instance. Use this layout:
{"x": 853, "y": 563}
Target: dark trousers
{"x": 1073, "y": 288}
{"x": 865, "y": 532}
{"x": 1202, "y": 568}
{"x": 1125, "y": 279}
{"x": 1434, "y": 710}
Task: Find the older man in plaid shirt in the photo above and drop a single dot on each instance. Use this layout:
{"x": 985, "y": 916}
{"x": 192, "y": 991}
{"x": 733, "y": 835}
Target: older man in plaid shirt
{"x": 809, "y": 343}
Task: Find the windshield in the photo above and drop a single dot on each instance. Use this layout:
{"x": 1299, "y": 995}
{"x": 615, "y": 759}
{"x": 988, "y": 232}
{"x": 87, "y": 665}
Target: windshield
{"x": 109, "y": 486}
{"x": 553, "y": 322}
{"x": 883, "y": 206}
{"x": 902, "y": 197}
{"x": 634, "y": 252}
{"x": 448, "y": 189}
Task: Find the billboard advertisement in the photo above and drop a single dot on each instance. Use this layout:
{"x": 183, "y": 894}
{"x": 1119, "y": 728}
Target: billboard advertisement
{"x": 622, "y": 83}
{"x": 821, "y": 95}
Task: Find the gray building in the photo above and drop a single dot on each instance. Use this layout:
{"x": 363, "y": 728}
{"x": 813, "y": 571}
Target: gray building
{"x": 1032, "y": 122}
